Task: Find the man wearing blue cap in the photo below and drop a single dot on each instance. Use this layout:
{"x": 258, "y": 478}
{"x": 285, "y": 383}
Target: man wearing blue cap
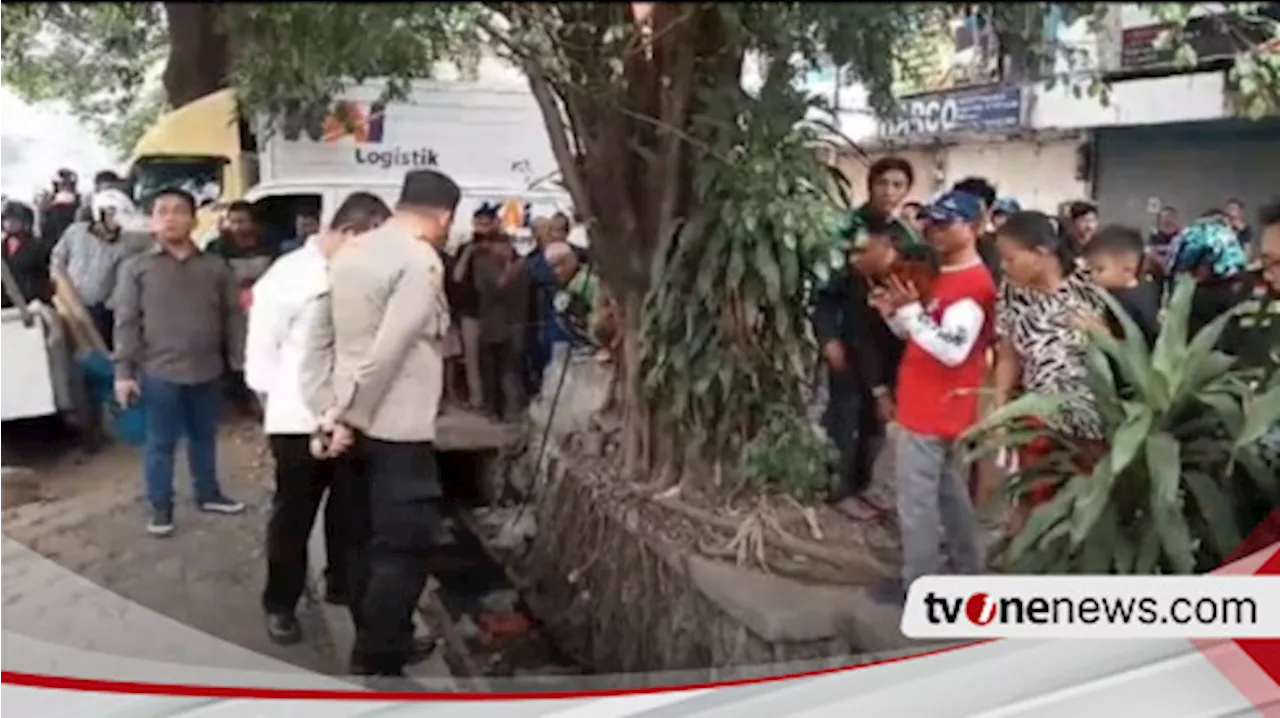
{"x": 948, "y": 332}
{"x": 985, "y": 192}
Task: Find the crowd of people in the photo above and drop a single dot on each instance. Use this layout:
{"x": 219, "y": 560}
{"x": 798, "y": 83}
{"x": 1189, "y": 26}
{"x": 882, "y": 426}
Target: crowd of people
{"x": 344, "y": 340}
{"x": 941, "y": 300}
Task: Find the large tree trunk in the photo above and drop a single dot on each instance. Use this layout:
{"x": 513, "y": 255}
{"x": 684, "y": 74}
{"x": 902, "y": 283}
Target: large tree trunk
{"x": 626, "y": 157}
{"x": 199, "y": 54}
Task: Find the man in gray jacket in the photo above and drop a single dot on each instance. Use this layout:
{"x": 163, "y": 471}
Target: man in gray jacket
{"x": 377, "y": 342}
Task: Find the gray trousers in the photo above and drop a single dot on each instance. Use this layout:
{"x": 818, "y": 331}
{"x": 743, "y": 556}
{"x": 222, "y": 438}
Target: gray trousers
{"x": 933, "y": 506}
{"x": 470, "y": 331}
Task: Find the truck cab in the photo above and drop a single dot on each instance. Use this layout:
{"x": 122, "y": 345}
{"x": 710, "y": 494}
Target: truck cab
{"x": 204, "y": 148}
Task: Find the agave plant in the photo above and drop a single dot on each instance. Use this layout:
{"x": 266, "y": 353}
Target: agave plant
{"x": 1161, "y": 495}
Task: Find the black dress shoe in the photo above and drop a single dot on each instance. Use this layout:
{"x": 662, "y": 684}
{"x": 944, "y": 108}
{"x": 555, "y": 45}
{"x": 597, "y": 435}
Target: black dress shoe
{"x": 422, "y": 649}
{"x": 283, "y": 628}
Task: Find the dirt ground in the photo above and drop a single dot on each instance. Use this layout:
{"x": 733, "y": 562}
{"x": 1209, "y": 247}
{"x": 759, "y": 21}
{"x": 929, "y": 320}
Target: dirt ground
{"x": 90, "y": 517}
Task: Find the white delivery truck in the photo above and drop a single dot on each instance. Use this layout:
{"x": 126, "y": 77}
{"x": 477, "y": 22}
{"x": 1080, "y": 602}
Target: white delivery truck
{"x": 489, "y": 137}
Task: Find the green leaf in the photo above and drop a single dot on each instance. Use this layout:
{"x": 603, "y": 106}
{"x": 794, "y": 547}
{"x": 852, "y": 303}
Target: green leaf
{"x": 1215, "y": 508}
{"x": 1093, "y": 501}
{"x": 1010, "y": 440}
{"x": 1147, "y": 559}
{"x": 767, "y": 266}
{"x": 1175, "y": 538}
{"x": 1226, "y": 409}
{"x": 1042, "y": 519}
{"x": 1125, "y": 554}
{"x": 1261, "y": 415}
{"x": 1102, "y": 384}
{"x": 1103, "y": 543}
{"x": 1170, "y": 352}
{"x": 1134, "y": 364}
{"x": 1130, "y": 437}
{"x": 1262, "y": 475}
{"x": 1164, "y": 466}
{"x": 1026, "y": 405}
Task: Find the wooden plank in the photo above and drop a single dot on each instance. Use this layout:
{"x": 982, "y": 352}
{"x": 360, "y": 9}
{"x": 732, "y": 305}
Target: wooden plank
{"x": 71, "y": 308}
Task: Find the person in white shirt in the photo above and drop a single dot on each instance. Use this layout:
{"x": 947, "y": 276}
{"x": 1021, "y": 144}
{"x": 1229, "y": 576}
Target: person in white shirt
{"x": 284, "y": 304}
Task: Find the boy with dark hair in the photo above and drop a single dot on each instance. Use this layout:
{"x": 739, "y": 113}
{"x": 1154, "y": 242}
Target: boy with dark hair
{"x": 947, "y": 334}
{"x": 862, "y": 356}
{"x": 889, "y": 181}
{"x": 1115, "y": 261}
{"x": 1083, "y": 219}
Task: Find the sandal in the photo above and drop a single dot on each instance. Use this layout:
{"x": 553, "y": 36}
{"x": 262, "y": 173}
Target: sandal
{"x": 859, "y": 508}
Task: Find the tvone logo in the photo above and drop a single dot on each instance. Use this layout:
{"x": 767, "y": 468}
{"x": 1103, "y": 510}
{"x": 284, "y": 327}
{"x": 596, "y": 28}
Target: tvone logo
{"x": 980, "y": 609}
{"x": 365, "y": 123}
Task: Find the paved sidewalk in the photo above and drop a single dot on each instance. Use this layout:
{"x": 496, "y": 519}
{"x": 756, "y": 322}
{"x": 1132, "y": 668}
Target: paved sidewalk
{"x": 58, "y": 623}
{"x": 83, "y": 582}
{"x": 79, "y": 560}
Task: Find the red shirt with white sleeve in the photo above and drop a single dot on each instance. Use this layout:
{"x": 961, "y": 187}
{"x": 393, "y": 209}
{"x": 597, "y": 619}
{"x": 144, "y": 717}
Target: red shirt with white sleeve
{"x": 944, "y": 364}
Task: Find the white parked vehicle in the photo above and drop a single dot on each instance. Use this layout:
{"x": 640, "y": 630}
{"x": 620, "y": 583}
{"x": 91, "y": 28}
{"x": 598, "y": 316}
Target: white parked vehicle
{"x": 39, "y": 375}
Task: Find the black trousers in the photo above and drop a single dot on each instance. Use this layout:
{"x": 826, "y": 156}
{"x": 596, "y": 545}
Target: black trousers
{"x": 857, "y": 432}
{"x": 302, "y": 482}
{"x": 104, "y": 320}
{"x": 391, "y": 550}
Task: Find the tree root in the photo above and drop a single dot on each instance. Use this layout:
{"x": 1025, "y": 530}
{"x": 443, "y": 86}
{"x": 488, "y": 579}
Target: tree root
{"x": 860, "y": 564}
{"x": 748, "y": 541}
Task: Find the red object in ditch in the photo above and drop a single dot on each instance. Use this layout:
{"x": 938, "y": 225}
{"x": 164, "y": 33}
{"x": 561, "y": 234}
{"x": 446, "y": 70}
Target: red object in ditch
{"x": 504, "y": 625}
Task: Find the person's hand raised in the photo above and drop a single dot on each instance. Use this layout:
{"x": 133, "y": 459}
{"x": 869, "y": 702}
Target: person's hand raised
{"x": 899, "y": 293}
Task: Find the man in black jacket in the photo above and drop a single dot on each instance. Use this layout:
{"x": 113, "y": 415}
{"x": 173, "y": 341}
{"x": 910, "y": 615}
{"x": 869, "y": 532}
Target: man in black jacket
{"x": 26, "y": 254}
{"x": 861, "y": 354}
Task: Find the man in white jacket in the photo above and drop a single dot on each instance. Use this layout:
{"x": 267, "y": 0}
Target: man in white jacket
{"x": 284, "y": 302}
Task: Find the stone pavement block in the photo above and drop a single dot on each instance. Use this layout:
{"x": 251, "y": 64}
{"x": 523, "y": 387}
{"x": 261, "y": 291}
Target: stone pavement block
{"x": 781, "y": 609}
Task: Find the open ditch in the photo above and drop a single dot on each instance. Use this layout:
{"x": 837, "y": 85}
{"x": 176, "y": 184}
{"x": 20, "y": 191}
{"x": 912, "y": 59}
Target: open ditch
{"x": 490, "y": 631}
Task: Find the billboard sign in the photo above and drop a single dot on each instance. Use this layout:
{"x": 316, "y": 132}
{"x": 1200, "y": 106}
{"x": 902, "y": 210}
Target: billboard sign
{"x": 950, "y": 53}
{"x": 982, "y": 109}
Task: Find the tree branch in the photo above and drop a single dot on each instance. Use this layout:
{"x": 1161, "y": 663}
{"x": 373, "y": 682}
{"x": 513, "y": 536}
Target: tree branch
{"x": 675, "y": 114}
{"x": 558, "y": 135}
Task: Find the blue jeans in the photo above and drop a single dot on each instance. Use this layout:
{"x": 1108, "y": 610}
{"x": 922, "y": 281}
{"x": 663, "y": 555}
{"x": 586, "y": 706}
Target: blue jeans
{"x": 174, "y": 410}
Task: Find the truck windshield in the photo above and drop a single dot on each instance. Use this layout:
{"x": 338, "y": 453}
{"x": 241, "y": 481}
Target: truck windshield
{"x": 199, "y": 176}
